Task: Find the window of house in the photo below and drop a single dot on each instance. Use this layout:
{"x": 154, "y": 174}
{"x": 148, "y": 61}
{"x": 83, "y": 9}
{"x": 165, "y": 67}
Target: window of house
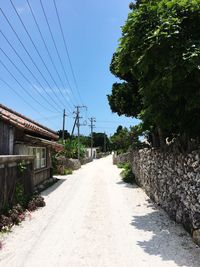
{"x": 39, "y": 153}
{"x": 40, "y": 156}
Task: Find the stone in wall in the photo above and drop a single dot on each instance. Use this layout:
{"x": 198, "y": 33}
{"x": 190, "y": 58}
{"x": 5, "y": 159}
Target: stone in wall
{"x": 122, "y": 158}
{"x": 86, "y": 160}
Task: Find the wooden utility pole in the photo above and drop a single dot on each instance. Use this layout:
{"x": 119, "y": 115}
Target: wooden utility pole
{"x": 78, "y": 126}
{"x": 104, "y": 142}
{"x": 63, "y": 131}
{"x": 92, "y": 121}
{"x": 74, "y": 126}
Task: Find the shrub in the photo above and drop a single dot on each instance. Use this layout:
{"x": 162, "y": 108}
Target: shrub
{"x": 68, "y": 171}
{"x": 32, "y": 206}
{"x": 39, "y": 201}
{"x": 127, "y": 174}
{"x": 14, "y": 216}
{"x": 36, "y": 202}
{"x": 5, "y": 221}
{"x": 20, "y": 196}
{"x": 121, "y": 165}
{"x": 19, "y": 208}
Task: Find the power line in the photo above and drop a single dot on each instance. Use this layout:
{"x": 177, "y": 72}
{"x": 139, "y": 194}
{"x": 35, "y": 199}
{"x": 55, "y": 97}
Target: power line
{"x": 112, "y": 122}
{"x": 67, "y": 51}
{"x": 51, "y": 117}
{"x": 25, "y": 77}
{"x": 55, "y": 46}
{"x": 105, "y": 127}
{"x": 31, "y": 58}
{"x": 41, "y": 58}
{"x": 23, "y": 99}
{"x": 33, "y": 75}
{"x": 45, "y": 44}
{"x": 24, "y": 89}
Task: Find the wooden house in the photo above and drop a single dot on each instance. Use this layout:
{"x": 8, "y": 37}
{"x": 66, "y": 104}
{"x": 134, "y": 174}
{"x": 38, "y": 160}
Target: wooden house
{"x": 20, "y": 135}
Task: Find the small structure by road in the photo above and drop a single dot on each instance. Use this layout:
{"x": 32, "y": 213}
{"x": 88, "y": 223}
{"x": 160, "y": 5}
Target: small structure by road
{"x": 25, "y": 153}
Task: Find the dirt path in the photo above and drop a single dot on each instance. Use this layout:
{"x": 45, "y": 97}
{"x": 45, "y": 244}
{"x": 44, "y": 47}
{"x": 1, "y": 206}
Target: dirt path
{"x": 92, "y": 219}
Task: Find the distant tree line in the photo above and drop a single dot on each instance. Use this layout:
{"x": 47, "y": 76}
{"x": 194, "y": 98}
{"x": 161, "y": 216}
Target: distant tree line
{"x": 100, "y": 140}
{"x": 122, "y": 140}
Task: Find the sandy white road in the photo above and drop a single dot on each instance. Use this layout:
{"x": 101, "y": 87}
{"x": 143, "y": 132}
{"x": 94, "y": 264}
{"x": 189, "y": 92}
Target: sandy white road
{"x": 92, "y": 219}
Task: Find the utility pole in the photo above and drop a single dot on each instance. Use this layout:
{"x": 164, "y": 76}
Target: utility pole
{"x": 92, "y": 121}
{"x": 63, "y": 131}
{"x": 78, "y": 126}
{"x": 74, "y": 126}
{"x": 104, "y": 142}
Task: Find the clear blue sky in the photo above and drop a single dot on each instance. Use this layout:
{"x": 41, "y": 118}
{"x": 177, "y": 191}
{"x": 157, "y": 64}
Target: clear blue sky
{"x": 92, "y": 29}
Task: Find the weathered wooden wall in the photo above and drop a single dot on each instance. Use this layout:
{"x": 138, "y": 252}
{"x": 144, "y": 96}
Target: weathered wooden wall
{"x": 40, "y": 176}
{"x": 10, "y": 176}
{"x": 6, "y": 138}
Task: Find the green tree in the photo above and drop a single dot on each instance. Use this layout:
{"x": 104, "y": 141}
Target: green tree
{"x": 124, "y": 139}
{"x": 71, "y": 149}
{"x": 120, "y": 140}
{"x": 101, "y": 139}
{"x": 66, "y": 134}
{"x": 158, "y": 61}
{"x": 84, "y": 140}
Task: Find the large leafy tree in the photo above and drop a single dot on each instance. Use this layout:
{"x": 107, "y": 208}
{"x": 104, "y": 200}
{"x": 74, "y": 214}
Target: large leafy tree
{"x": 158, "y": 61}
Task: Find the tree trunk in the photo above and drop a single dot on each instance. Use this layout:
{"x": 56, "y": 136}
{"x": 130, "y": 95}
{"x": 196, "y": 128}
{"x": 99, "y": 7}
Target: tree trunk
{"x": 161, "y": 139}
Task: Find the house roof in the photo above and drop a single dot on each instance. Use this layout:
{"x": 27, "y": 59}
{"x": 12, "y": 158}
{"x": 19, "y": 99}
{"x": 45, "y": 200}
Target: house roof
{"x": 22, "y": 122}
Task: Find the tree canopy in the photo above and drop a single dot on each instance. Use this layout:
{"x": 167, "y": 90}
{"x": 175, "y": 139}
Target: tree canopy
{"x": 124, "y": 139}
{"x": 66, "y": 134}
{"x": 158, "y": 61}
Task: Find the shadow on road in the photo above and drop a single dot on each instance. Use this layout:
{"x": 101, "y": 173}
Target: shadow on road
{"x": 53, "y": 187}
{"x": 169, "y": 241}
{"x": 127, "y": 185}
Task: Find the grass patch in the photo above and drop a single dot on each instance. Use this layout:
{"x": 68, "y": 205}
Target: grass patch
{"x": 121, "y": 165}
{"x": 68, "y": 171}
{"x": 127, "y": 174}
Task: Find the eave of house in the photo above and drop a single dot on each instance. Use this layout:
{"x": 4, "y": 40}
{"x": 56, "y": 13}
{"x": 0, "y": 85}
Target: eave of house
{"x": 40, "y": 141}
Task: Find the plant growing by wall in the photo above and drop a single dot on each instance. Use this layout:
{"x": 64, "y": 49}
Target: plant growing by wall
{"x": 127, "y": 174}
{"x": 68, "y": 171}
{"x": 20, "y": 195}
{"x": 21, "y": 167}
{"x": 71, "y": 149}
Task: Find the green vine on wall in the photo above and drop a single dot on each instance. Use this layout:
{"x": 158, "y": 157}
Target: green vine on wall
{"x": 21, "y": 167}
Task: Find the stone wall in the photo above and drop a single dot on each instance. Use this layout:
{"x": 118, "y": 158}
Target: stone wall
{"x": 86, "y": 160}
{"x": 65, "y": 163}
{"x": 122, "y": 158}
{"x": 173, "y": 182}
